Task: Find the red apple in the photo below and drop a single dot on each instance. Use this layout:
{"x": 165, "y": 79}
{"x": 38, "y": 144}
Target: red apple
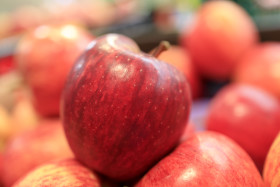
{"x": 45, "y": 56}
{"x": 122, "y": 107}
{"x": 30, "y": 149}
{"x": 271, "y": 172}
{"x": 206, "y": 159}
{"x": 249, "y": 116}
{"x": 179, "y": 58}
{"x": 219, "y": 36}
{"x": 67, "y": 172}
{"x": 261, "y": 67}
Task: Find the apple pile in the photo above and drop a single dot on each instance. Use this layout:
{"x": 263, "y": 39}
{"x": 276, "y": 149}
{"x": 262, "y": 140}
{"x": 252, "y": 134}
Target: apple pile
{"x": 44, "y": 57}
{"x": 109, "y": 114}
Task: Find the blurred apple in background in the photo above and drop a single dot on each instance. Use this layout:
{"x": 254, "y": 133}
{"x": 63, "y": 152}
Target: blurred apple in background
{"x": 45, "y": 57}
{"x": 248, "y": 115}
{"x": 219, "y": 36}
{"x": 179, "y": 58}
{"x": 205, "y": 159}
{"x": 261, "y": 67}
{"x": 271, "y": 172}
{"x": 68, "y": 172}
{"x": 27, "y": 150}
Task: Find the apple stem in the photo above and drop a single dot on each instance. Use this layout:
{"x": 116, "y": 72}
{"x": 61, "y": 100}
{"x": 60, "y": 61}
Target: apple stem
{"x": 163, "y": 46}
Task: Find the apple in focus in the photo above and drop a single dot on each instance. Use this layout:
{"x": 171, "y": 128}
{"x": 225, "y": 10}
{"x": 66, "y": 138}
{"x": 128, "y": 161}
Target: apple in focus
{"x": 261, "y": 67}
{"x": 32, "y": 148}
{"x": 122, "y": 109}
{"x": 45, "y": 56}
{"x": 221, "y": 33}
{"x": 66, "y": 172}
{"x": 180, "y": 58}
{"x": 248, "y": 115}
{"x": 205, "y": 159}
{"x": 271, "y": 172}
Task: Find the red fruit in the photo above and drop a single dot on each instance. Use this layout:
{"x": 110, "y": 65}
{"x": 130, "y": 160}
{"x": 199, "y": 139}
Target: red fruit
{"x": 179, "y": 58}
{"x": 261, "y": 67}
{"x": 220, "y": 35}
{"x": 122, "y": 109}
{"x": 45, "y": 57}
{"x": 206, "y": 159}
{"x": 66, "y": 172}
{"x": 249, "y": 116}
{"x": 26, "y": 151}
{"x": 271, "y": 172}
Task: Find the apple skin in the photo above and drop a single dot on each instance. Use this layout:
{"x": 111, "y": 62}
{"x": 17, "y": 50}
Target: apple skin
{"x": 219, "y": 36}
{"x": 32, "y": 148}
{"x": 261, "y": 67}
{"x": 180, "y": 58}
{"x": 45, "y": 56}
{"x": 271, "y": 172}
{"x": 249, "y": 116}
{"x": 121, "y": 107}
{"x": 66, "y": 172}
{"x": 206, "y": 159}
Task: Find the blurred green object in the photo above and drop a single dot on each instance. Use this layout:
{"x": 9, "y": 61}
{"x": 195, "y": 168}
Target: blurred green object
{"x": 265, "y": 13}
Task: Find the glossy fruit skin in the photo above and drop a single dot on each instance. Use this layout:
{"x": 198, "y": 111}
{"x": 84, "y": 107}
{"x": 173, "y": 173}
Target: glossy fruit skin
{"x": 67, "y": 172}
{"x": 271, "y": 172}
{"x": 30, "y": 149}
{"x": 221, "y": 33}
{"x": 122, "y": 109}
{"x": 261, "y": 67}
{"x": 249, "y": 116}
{"x": 45, "y": 56}
{"x": 180, "y": 58}
{"x": 206, "y": 159}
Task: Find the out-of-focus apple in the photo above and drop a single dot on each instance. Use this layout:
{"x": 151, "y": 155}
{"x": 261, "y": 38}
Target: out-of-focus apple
{"x": 45, "y": 56}
{"x": 271, "y": 172}
{"x": 219, "y": 36}
{"x": 121, "y": 107}
{"x": 67, "y": 172}
{"x": 249, "y": 116}
{"x": 261, "y": 67}
{"x": 26, "y": 151}
{"x": 206, "y": 159}
{"x": 179, "y": 58}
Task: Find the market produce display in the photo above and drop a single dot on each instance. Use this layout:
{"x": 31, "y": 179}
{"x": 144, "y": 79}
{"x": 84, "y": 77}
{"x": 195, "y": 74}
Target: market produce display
{"x": 134, "y": 94}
